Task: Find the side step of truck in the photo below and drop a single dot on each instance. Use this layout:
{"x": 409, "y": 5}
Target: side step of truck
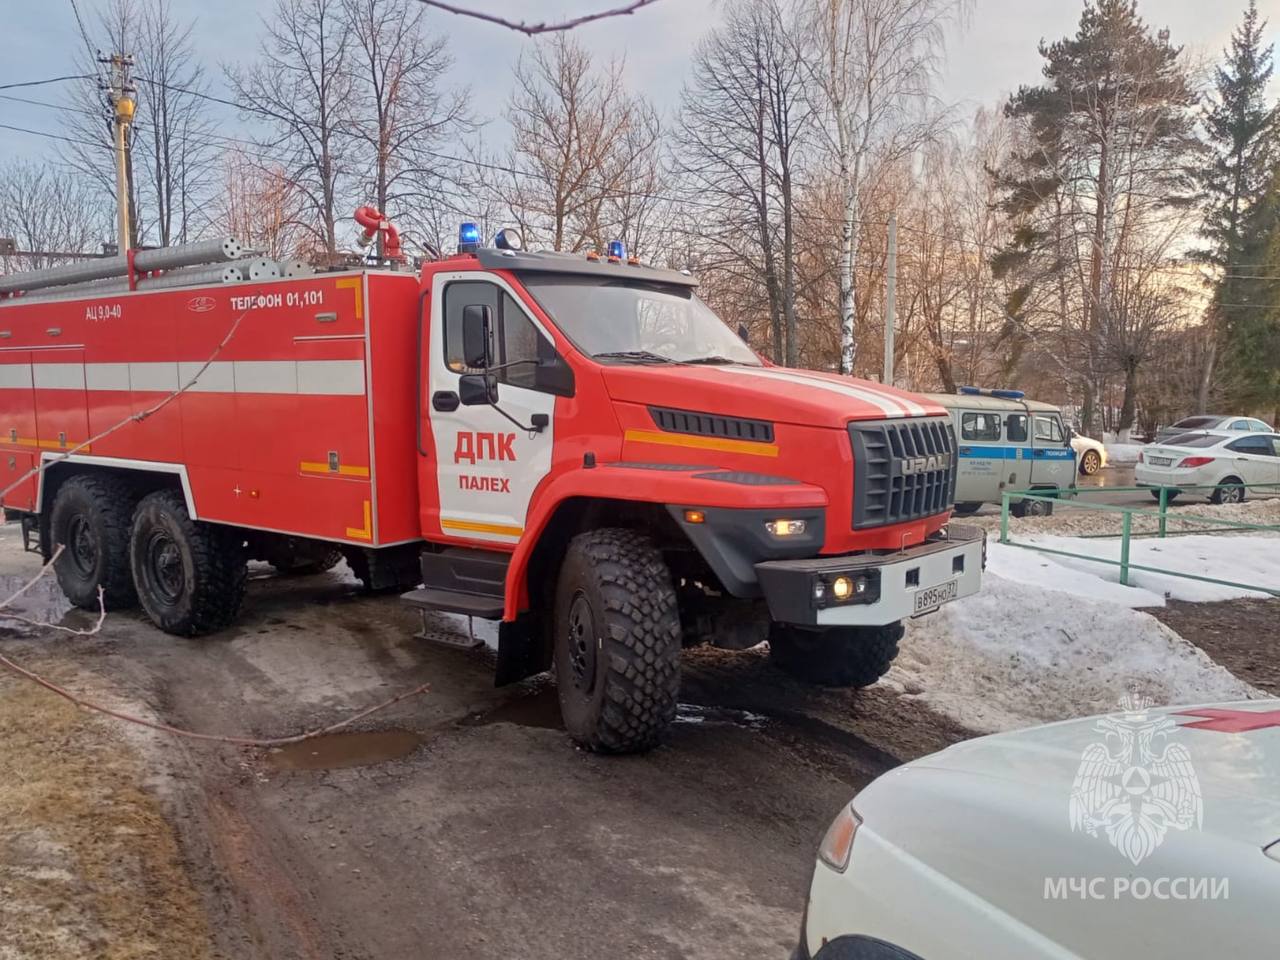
{"x": 463, "y": 581}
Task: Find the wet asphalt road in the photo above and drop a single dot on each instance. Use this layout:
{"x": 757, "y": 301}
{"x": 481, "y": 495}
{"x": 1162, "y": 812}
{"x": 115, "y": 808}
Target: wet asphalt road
{"x": 464, "y": 823}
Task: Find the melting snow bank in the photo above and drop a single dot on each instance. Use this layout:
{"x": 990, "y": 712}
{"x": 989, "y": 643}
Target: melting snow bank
{"x": 1240, "y": 559}
{"x": 1019, "y": 654}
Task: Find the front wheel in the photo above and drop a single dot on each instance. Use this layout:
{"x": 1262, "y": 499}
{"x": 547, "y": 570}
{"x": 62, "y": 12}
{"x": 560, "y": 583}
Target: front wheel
{"x": 836, "y": 656}
{"x": 190, "y": 575}
{"x": 1090, "y": 463}
{"x": 617, "y": 641}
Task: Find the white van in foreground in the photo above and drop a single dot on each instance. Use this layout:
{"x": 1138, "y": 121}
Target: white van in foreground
{"x": 1006, "y": 442}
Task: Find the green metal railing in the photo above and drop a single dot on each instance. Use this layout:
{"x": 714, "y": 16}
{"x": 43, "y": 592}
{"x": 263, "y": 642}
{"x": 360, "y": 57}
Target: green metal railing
{"x": 1161, "y": 516}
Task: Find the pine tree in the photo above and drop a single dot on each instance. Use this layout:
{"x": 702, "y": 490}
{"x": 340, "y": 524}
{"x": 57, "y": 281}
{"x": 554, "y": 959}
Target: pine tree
{"x": 1105, "y": 141}
{"x": 1243, "y": 130}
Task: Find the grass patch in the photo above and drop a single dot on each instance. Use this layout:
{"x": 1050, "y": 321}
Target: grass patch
{"x": 89, "y": 867}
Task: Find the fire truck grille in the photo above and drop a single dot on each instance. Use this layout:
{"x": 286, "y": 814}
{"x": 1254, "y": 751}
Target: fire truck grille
{"x": 902, "y": 469}
{"x": 711, "y": 425}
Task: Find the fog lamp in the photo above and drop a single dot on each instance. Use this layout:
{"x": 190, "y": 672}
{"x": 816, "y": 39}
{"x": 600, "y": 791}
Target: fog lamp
{"x": 842, "y": 588}
{"x": 786, "y": 528}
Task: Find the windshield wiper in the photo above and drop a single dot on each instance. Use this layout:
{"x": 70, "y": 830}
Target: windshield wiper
{"x": 643, "y": 356}
{"x": 713, "y": 360}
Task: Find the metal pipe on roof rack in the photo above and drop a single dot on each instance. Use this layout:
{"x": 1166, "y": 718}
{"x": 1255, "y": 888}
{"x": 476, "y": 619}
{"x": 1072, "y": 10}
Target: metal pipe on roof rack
{"x": 205, "y": 275}
{"x": 144, "y": 261}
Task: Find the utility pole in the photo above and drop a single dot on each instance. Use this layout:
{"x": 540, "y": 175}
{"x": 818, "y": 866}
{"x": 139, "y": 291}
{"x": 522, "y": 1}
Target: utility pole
{"x": 122, "y": 94}
{"x": 890, "y": 299}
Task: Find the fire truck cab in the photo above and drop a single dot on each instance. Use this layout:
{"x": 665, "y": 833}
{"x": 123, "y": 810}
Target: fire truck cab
{"x": 575, "y": 446}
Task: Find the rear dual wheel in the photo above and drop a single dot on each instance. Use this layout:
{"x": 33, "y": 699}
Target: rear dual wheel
{"x": 190, "y": 576}
{"x": 89, "y": 527}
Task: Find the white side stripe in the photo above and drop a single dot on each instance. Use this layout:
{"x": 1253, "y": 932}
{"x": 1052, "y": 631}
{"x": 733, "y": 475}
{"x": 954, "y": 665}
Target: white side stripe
{"x": 306, "y": 377}
{"x": 15, "y": 375}
{"x": 889, "y": 406}
{"x": 58, "y": 376}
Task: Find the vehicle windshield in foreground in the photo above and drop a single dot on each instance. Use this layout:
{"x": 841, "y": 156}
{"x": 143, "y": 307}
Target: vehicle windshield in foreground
{"x": 631, "y": 322}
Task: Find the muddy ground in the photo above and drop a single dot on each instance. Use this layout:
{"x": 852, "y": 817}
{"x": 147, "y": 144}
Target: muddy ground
{"x": 459, "y": 823}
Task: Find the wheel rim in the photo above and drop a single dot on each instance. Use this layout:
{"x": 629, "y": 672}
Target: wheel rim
{"x": 1232, "y": 494}
{"x": 1090, "y": 462}
{"x": 82, "y": 545}
{"x": 164, "y": 567}
{"x": 582, "y": 644}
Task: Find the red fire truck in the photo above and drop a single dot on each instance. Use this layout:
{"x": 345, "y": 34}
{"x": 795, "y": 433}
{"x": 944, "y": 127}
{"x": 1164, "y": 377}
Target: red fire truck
{"x": 573, "y": 445}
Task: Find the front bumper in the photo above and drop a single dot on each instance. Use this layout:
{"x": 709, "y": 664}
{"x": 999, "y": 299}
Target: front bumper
{"x": 887, "y": 587}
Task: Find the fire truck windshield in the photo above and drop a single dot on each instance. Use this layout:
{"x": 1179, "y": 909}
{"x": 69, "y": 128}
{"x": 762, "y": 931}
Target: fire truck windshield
{"x": 630, "y": 322}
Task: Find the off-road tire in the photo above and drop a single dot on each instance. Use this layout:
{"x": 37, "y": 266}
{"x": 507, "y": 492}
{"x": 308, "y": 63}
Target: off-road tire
{"x": 1090, "y": 462}
{"x": 1230, "y": 490}
{"x": 190, "y": 575}
{"x": 1031, "y": 508}
{"x": 967, "y": 508}
{"x": 90, "y": 520}
{"x": 836, "y": 656}
{"x": 617, "y": 641}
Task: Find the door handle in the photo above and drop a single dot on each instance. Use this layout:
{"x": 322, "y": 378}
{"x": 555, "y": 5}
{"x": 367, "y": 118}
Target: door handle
{"x": 445, "y": 400}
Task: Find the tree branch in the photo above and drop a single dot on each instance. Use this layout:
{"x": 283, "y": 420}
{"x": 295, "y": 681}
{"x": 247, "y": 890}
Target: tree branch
{"x": 533, "y": 29}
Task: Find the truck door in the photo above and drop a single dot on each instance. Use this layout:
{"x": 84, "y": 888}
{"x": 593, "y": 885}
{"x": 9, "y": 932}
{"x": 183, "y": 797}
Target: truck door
{"x": 487, "y": 460}
{"x": 1053, "y": 461}
{"x": 981, "y": 457}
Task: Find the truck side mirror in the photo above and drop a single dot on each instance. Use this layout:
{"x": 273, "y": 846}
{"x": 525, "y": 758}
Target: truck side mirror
{"x": 477, "y": 322}
{"x": 477, "y": 389}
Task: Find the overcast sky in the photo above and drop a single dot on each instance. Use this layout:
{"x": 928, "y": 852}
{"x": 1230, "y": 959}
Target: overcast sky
{"x": 989, "y": 56}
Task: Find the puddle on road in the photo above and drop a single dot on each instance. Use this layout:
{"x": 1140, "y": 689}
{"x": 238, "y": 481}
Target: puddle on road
{"x": 541, "y": 709}
{"x": 695, "y": 713}
{"x": 336, "y": 750}
{"x": 44, "y": 602}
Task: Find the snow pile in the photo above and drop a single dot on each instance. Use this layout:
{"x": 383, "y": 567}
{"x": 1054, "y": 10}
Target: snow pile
{"x": 1018, "y": 654}
{"x": 1078, "y": 521}
{"x": 1251, "y": 560}
{"x": 1118, "y": 453}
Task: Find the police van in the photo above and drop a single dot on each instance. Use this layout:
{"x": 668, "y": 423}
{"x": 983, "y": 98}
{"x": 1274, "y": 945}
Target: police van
{"x": 1006, "y": 442}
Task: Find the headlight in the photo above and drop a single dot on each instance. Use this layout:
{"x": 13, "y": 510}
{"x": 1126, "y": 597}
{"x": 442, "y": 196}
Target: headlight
{"x": 837, "y": 845}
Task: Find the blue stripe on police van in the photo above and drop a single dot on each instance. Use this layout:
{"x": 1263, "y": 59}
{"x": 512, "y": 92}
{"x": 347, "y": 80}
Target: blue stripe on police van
{"x": 970, "y": 452}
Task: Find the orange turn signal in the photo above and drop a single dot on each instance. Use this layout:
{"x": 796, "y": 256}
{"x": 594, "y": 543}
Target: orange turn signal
{"x": 695, "y": 516}
{"x": 837, "y": 845}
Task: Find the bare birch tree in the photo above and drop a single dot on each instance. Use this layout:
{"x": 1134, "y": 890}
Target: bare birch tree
{"x": 739, "y": 137}
{"x": 172, "y": 149}
{"x": 872, "y": 62}
{"x": 45, "y": 208}
{"x": 302, "y": 89}
{"x": 402, "y": 112}
{"x": 579, "y": 142}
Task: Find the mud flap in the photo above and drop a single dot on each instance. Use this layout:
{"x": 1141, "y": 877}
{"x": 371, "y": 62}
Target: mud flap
{"x": 522, "y": 650}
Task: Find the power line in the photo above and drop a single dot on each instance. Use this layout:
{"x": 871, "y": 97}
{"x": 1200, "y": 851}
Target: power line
{"x": 84, "y": 34}
{"x": 41, "y": 83}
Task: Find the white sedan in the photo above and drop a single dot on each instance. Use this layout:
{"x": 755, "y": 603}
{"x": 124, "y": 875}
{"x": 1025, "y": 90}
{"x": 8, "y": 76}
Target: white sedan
{"x": 1090, "y": 454}
{"x": 1147, "y": 833}
{"x": 1219, "y": 463}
